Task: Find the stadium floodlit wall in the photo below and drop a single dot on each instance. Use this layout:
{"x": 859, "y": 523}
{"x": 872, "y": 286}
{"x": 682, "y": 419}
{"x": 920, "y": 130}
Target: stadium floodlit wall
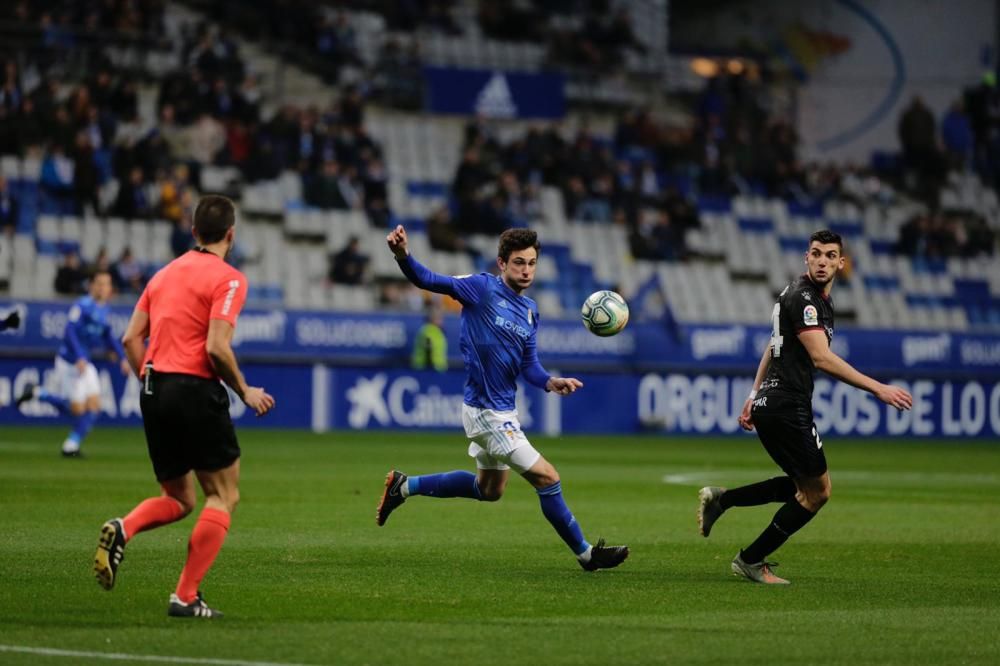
{"x": 334, "y": 371}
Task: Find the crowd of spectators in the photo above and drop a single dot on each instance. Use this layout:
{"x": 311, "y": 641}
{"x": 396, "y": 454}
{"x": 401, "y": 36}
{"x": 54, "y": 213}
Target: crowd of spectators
{"x": 936, "y": 236}
{"x": 594, "y": 34}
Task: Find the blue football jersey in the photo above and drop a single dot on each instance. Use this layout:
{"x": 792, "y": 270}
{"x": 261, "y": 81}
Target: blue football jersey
{"x": 498, "y": 334}
{"x": 87, "y": 328}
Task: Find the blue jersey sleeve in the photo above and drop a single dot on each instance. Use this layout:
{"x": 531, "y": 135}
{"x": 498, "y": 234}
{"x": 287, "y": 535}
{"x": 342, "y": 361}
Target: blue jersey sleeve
{"x": 531, "y": 367}
{"x": 72, "y": 336}
{"x": 113, "y": 342}
{"x": 467, "y": 290}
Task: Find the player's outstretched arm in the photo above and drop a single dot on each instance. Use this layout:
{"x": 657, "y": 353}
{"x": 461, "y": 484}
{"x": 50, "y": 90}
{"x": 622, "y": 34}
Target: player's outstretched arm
{"x": 467, "y": 290}
{"x": 824, "y": 359}
{"x": 220, "y": 351}
{"x": 134, "y": 340}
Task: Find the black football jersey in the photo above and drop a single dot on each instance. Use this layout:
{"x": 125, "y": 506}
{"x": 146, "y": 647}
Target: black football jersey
{"x": 800, "y": 307}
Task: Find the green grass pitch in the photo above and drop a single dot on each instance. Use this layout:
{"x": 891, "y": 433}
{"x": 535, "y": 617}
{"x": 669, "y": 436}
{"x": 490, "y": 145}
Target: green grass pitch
{"x": 902, "y": 567}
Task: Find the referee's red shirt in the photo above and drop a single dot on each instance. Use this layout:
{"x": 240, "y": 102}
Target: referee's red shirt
{"x": 181, "y": 299}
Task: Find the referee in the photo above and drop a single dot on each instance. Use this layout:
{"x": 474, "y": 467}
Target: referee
{"x": 780, "y": 408}
{"x": 188, "y": 311}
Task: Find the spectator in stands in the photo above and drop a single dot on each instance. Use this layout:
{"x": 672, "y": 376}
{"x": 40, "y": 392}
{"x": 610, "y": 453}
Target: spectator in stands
{"x": 667, "y": 238}
{"x": 348, "y": 265}
{"x": 208, "y": 138}
{"x": 430, "y": 346}
{"x": 956, "y": 135}
{"x": 918, "y": 137}
{"x": 101, "y": 263}
{"x": 132, "y": 201}
{"x": 176, "y": 138}
{"x": 9, "y": 141}
{"x": 181, "y": 237}
{"x": 325, "y": 190}
{"x": 398, "y": 75}
{"x": 352, "y": 108}
{"x": 9, "y": 208}
{"x": 56, "y": 181}
{"x": 127, "y": 273}
{"x": 86, "y": 178}
{"x": 374, "y": 185}
{"x": 983, "y": 104}
{"x": 28, "y": 127}
{"x": 176, "y": 195}
{"x": 70, "y": 276}
{"x": 442, "y": 234}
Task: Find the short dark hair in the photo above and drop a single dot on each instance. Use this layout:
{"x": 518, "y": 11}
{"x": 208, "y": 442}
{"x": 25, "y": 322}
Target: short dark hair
{"x": 514, "y": 240}
{"x": 825, "y": 237}
{"x": 213, "y": 217}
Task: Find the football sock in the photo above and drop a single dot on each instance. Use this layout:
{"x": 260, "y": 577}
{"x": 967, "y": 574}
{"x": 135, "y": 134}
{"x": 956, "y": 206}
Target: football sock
{"x": 447, "y": 484}
{"x": 206, "y": 541}
{"x": 152, "y": 513}
{"x": 778, "y": 489}
{"x": 555, "y": 510}
{"x": 57, "y": 401}
{"x": 82, "y": 425}
{"x": 789, "y": 519}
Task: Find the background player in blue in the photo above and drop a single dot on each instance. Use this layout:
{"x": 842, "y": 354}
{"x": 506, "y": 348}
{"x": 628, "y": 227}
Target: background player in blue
{"x": 498, "y": 343}
{"x": 78, "y": 389}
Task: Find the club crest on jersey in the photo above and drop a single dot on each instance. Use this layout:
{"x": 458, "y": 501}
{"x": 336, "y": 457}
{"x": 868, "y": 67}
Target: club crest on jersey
{"x": 809, "y": 316}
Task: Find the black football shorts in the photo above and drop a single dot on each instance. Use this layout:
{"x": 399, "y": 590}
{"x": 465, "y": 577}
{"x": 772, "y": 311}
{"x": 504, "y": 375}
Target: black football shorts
{"x": 187, "y": 424}
{"x": 787, "y": 430}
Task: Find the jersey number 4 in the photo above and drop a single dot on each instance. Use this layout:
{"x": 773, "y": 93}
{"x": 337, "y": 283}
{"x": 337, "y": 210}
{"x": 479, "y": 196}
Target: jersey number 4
{"x": 776, "y": 338}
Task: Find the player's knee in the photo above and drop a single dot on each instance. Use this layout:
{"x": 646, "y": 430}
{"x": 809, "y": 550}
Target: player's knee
{"x": 491, "y": 493}
{"x": 232, "y": 499}
{"x": 77, "y": 408}
{"x": 814, "y": 500}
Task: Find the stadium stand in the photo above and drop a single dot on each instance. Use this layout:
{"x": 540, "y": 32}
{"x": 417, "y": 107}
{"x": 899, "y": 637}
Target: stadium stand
{"x": 703, "y": 224}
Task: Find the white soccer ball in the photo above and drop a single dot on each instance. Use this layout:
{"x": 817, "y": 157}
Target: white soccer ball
{"x": 604, "y": 313}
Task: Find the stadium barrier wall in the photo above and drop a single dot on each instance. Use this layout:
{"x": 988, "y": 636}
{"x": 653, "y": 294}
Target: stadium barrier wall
{"x": 333, "y": 371}
{"x": 321, "y": 397}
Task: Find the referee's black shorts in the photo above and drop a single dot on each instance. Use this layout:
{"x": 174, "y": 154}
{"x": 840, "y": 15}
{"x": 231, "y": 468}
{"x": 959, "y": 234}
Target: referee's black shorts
{"x": 187, "y": 424}
{"x": 786, "y": 429}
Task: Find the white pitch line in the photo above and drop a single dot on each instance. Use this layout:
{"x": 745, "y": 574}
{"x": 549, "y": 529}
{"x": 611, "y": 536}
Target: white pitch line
{"x": 119, "y": 656}
{"x": 885, "y": 478}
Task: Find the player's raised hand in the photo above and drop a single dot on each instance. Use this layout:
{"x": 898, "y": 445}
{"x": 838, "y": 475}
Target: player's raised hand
{"x": 895, "y": 396}
{"x": 258, "y": 400}
{"x": 563, "y": 385}
{"x": 397, "y": 242}
{"x": 746, "y": 416}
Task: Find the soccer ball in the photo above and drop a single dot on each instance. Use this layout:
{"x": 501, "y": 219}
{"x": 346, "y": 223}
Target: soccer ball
{"x": 604, "y": 313}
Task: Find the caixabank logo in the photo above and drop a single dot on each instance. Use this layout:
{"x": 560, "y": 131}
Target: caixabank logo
{"x": 390, "y": 400}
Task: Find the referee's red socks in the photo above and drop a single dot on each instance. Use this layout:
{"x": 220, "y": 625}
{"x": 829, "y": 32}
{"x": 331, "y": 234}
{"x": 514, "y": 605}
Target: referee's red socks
{"x": 206, "y": 541}
{"x": 151, "y": 513}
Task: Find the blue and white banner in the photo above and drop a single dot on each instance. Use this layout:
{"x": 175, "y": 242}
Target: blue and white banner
{"x": 291, "y": 386}
{"x": 495, "y": 93}
{"x": 705, "y": 404}
{"x": 325, "y": 398}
